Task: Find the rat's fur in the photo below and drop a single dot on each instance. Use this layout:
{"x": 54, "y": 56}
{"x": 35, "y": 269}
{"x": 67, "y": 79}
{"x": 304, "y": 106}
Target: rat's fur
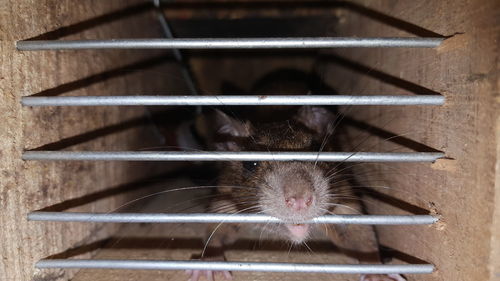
{"x": 271, "y": 183}
{"x": 266, "y": 186}
{"x": 291, "y": 191}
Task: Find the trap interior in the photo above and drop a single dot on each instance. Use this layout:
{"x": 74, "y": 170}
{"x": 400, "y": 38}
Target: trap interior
{"x": 462, "y": 189}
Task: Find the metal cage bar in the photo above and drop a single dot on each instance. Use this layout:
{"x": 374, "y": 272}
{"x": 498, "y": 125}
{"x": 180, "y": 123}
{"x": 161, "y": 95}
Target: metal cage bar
{"x": 232, "y": 156}
{"x": 228, "y": 218}
{"x": 233, "y": 43}
{"x": 232, "y": 100}
{"x": 239, "y": 266}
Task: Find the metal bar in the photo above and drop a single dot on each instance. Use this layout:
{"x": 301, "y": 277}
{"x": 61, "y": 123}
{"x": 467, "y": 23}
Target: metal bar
{"x": 232, "y": 100}
{"x": 232, "y": 156}
{"x": 232, "y": 43}
{"x": 239, "y": 266}
{"x": 229, "y": 218}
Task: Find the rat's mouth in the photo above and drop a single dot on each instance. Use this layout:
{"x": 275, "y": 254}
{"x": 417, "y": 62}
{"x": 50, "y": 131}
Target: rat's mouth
{"x": 298, "y": 232}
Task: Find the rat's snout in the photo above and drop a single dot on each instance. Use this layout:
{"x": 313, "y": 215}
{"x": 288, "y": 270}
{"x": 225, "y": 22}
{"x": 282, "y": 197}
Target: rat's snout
{"x": 299, "y": 203}
{"x": 299, "y": 199}
{"x": 294, "y": 192}
{"x": 298, "y": 193}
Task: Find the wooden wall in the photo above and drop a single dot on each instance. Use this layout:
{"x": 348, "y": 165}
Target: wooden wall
{"x": 465, "y": 69}
{"x": 27, "y": 186}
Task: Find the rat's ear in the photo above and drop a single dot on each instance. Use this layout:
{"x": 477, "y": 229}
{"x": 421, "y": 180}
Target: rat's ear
{"x": 227, "y": 130}
{"x": 318, "y": 119}
{"x": 219, "y": 131}
{"x": 225, "y": 125}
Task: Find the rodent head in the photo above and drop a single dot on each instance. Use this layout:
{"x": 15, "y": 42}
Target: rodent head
{"x": 292, "y": 191}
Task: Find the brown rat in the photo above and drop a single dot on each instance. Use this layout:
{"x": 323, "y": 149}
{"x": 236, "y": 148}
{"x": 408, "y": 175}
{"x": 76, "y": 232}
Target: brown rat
{"x": 290, "y": 191}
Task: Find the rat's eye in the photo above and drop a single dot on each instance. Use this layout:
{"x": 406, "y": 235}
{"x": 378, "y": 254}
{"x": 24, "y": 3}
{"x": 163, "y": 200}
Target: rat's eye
{"x": 250, "y": 166}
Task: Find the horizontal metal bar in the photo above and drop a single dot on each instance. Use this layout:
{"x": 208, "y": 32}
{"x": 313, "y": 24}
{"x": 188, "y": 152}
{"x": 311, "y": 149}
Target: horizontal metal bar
{"x": 232, "y": 100}
{"x": 232, "y": 156}
{"x": 232, "y": 43}
{"x": 239, "y": 266}
{"x": 229, "y": 218}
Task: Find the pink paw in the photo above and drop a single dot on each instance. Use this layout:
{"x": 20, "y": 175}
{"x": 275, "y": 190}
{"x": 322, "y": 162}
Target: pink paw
{"x": 381, "y": 277}
{"x": 194, "y": 275}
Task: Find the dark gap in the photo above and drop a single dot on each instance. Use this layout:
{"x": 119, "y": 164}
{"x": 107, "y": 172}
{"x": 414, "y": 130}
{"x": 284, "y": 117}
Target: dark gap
{"x": 389, "y": 253}
{"x": 377, "y": 74}
{"x": 395, "y": 202}
{"x": 322, "y": 6}
{"x": 112, "y": 191}
{"x": 161, "y": 119}
{"x": 389, "y": 20}
{"x": 366, "y": 190}
{"x": 100, "y": 77}
{"x": 240, "y": 245}
{"x": 80, "y": 250}
{"x": 304, "y": 26}
{"x": 167, "y": 120}
{"x": 252, "y": 53}
{"x": 404, "y": 141}
{"x": 187, "y": 243}
{"x": 199, "y": 174}
{"x": 94, "y": 22}
{"x": 88, "y": 136}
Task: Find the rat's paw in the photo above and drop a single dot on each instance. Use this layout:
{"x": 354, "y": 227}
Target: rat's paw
{"x": 194, "y": 275}
{"x": 210, "y": 275}
{"x": 382, "y": 277}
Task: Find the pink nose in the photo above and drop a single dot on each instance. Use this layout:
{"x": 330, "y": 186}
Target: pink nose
{"x": 298, "y": 204}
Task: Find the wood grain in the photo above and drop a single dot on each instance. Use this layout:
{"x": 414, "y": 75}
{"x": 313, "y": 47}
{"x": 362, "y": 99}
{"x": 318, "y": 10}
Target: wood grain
{"x": 27, "y": 186}
{"x": 465, "y": 70}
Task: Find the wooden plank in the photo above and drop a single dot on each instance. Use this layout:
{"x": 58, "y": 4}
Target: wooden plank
{"x": 31, "y": 186}
{"x": 465, "y": 70}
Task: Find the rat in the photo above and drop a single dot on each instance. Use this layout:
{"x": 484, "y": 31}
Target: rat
{"x": 291, "y": 191}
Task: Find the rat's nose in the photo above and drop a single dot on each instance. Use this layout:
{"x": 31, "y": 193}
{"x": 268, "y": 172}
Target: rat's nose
{"x": 298, "y": 203}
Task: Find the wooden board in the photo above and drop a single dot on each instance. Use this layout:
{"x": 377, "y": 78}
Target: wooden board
{"x": 465, "y": 70}
{"x": 27, "y": 186}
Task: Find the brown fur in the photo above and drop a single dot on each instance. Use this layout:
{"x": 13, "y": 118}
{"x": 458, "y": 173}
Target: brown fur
{"x": 265, "y": 187}
{"x": 243, "y": 189}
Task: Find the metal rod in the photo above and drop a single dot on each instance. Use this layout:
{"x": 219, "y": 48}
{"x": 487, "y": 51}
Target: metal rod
{"x": 239, "y": 266}
{"x": 233, "y": 43}
{"x": 232, "y": 156}
{"x": 232, "y": 100}
{"x": 229, "y": 218}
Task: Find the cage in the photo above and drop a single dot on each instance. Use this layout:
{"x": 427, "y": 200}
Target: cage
{"x": 412, "y": 56}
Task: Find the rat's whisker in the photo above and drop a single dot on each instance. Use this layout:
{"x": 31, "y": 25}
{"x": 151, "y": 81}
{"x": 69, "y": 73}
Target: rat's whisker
{"x": 343, "y": 206}
{"x": 215, "y": 230}
{"x": 176, "y": 190}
